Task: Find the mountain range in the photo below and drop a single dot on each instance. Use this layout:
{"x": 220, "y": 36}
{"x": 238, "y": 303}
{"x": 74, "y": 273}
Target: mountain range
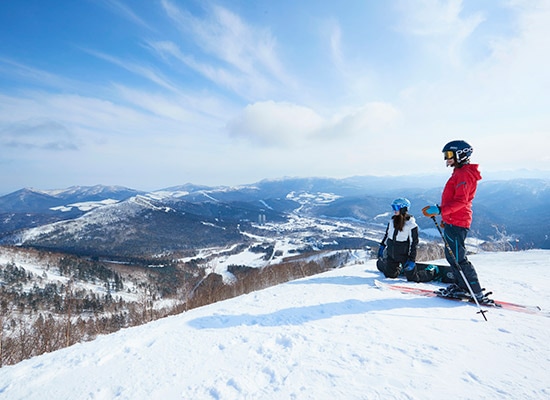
{"x": 115, "y": 221}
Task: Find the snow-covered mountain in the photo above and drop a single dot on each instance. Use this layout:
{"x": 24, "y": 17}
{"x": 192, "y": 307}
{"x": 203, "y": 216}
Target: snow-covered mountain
{"x": 330, "y": 336}
{"x": 31, "y": 200}
{"x": 28, "y": 208}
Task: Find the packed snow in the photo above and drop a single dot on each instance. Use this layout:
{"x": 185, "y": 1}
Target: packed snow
{"x": 330, "y": 336}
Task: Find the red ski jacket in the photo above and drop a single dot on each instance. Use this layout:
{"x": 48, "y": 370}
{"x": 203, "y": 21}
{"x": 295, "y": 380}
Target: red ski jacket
{"x": 459, "y": 191}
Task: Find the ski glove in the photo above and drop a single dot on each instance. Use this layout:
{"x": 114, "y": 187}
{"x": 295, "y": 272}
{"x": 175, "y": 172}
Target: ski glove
{"x": 381, "y": 251}
{"x": 431, "y": 211}
{"x": 409, "y": 265}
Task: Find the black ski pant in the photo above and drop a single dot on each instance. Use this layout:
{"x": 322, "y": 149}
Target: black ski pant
{"x": 455, "y": 237}
{"x": 420, "y": 274}
{"x": 390, "y": 267}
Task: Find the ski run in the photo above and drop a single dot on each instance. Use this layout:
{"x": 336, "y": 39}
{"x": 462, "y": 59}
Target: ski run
{"x": 330, "y": 336}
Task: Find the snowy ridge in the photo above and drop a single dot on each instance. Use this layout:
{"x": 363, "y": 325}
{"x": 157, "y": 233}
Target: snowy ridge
{"x": 330, "y": 336}
{"x": 84, "y": 206}
{"x": 106, "y": 214}
{"x": 84, "y": 190}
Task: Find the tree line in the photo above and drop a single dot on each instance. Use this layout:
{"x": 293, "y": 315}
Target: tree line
{"x": 38, "y": 315}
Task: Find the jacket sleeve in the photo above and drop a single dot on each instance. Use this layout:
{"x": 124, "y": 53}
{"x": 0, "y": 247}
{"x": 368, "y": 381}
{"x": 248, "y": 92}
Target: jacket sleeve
{"x": 414, "y": 243}
{"x": 383, "y": 242}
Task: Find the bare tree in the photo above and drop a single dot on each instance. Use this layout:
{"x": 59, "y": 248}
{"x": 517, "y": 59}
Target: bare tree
{"x": 68, "y": 305}
{"x": 5, "y": 311}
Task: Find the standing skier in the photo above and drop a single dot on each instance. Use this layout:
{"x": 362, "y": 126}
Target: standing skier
{"x": 456, "y": 214}
{"x": 401, "y": 239}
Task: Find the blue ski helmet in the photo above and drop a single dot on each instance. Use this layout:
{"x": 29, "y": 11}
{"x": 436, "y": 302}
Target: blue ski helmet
{"x": 459, "y": 150}
{"x": 400, "y": 203}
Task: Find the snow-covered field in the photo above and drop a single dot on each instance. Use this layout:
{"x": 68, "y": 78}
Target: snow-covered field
{"x": 330, "y": 336}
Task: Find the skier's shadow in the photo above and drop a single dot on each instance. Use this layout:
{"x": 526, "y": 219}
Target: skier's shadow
{"x": 350, "y": 280}
{"x": 305, "y": 314}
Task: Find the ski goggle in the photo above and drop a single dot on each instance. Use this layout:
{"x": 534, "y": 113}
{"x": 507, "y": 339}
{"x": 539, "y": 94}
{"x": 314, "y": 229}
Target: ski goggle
{"x": 395, "y": 207}
{"x": 447, "y": 155}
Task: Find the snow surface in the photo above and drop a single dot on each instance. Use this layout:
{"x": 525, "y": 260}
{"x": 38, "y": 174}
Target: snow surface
{"x": 329, "y": 336}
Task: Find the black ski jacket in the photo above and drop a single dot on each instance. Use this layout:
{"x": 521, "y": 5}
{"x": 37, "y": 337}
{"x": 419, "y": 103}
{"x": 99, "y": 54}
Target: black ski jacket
{"x": 401, "y": 245}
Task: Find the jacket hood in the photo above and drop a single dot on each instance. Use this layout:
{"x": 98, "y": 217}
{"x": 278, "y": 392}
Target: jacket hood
{"x": 473, "y": 170}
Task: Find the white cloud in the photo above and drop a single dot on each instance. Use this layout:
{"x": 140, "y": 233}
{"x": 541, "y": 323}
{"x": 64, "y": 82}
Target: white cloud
{"x": 285, "y": 124}
{"x": 280, "y": 124}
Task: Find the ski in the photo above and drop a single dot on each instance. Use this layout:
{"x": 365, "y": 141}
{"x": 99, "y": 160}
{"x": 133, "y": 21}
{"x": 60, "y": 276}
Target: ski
{"x": 527, "y": 309}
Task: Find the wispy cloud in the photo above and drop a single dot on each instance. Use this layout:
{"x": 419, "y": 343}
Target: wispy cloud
{"x": 202, "y": 112}
{"x": 442, "y": 26}
{"x": 38, "y": 134}
{"x": 31, "y": 76}
{"x": 149, "y": 73}
{"x": 246, "y": 59}
{"x": 336, "y": 46}
{"x": 222, "y": 77}
{"x": 127, "y": 12}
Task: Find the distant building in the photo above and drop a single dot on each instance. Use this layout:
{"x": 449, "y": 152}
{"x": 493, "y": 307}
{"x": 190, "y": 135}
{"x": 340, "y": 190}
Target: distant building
{"x": 261, "y": 219}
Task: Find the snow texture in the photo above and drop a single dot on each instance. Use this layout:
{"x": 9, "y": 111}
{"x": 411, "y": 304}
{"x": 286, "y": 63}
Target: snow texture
{"x": 329, "y": 336}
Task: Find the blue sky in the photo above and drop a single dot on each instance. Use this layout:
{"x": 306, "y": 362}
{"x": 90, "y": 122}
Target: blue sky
{"x": 156, "y": 93}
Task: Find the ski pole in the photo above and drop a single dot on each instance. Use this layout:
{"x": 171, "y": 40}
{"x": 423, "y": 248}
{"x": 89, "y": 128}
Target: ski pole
{"x": 457, "y": 265}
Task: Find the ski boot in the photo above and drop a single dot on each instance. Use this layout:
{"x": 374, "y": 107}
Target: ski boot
{"x": 483, "y": 299}
{"x": 453, "y": 291}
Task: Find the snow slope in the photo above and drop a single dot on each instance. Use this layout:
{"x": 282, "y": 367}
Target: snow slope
{"x": 330, "y": 336}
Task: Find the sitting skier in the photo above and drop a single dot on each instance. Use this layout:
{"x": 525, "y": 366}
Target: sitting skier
{"x": 397, "y": 250}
